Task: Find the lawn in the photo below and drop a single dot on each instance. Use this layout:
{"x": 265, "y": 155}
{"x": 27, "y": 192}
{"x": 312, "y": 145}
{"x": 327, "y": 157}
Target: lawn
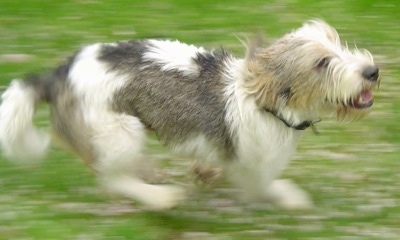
{"x": 350, "y": 170}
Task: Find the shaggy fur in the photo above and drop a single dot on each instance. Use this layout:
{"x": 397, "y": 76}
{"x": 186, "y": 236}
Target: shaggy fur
{"x": 244, "y": 116}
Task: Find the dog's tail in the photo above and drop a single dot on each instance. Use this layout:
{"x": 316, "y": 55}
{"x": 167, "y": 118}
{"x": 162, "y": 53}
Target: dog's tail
{"x": 20, "y": 139}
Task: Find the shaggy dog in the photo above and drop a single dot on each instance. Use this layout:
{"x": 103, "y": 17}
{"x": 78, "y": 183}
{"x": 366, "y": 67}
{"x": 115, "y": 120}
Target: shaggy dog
{"x": 244, "y": 116}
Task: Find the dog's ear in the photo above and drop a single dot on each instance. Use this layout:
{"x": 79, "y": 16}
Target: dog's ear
{"x": 253, "y": 45}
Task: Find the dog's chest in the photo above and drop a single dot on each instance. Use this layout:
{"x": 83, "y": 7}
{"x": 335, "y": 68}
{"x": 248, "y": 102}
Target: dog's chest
{"x": 272, "y": 146}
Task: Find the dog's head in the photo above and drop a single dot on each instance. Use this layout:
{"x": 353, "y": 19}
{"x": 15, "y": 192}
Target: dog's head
{"x": 309, "y": 71}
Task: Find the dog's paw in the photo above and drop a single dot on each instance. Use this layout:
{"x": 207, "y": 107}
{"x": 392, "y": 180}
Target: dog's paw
{"x": 164, "y": 197}
{"x": 286, "y": 195}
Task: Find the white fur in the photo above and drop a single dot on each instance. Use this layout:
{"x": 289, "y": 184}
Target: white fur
{"x": 346, "y": 65}
{"x": 91, "y": 81}
{"x": 20, "y": 140}
{"x": 264, "y": 143}
{"x": 173, "y": 55}
{"x": 285, "y": 194}
{"x": 154, "y": 197}
{"x": 199, "y": 146}
{"x": 117, "y": 139}
{"x": 118, "y": 147}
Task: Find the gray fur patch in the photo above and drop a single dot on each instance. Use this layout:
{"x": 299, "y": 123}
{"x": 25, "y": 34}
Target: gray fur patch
{"x": 176, "y": 106}
{"x": 48, "y": 85}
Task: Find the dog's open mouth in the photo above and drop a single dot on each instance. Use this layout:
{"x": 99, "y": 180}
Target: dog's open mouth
{"x": 364, "y": 100}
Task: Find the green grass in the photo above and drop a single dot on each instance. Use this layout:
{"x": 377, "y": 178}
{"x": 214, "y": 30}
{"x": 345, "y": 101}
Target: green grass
{"x": 351, "y": 171}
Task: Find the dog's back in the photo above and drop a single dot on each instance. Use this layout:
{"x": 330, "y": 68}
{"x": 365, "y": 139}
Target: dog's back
{"x": 178, "y": 102}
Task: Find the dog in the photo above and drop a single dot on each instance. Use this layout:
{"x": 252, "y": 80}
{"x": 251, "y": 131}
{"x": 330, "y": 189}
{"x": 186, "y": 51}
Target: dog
{"x": 242, "y": 115}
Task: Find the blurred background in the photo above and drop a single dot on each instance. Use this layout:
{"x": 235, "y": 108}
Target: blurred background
{"x": 350, "y": 170}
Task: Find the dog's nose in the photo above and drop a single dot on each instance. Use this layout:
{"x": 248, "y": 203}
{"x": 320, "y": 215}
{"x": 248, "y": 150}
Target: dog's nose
{"x": 371, "y": 73}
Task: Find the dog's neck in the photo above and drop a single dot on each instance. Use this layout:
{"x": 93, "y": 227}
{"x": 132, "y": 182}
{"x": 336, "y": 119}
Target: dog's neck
{"x": 301, "y": 126}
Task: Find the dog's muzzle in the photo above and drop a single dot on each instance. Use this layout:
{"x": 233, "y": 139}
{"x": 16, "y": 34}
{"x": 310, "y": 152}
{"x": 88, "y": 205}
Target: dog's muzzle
{"x": 365, "y": 99}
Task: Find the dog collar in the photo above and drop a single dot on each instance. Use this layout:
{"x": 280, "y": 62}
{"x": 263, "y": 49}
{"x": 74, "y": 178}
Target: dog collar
{"x": 301, "y": 126}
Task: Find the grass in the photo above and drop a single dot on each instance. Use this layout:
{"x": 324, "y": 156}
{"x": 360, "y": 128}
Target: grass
{"x": 351, "y": 171}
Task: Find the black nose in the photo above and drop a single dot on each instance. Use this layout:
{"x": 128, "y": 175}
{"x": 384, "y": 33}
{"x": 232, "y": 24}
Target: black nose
{"x": 371, "y": 73}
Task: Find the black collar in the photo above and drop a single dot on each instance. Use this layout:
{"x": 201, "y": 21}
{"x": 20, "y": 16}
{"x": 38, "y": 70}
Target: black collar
{"x": 301, "y": 126}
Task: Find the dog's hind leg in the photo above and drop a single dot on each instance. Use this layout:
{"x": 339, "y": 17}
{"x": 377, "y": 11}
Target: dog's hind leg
{"x": 117, "y": 144}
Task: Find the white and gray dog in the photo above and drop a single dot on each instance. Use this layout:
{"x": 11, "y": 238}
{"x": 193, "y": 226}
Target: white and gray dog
{"x": 244, "y": 116}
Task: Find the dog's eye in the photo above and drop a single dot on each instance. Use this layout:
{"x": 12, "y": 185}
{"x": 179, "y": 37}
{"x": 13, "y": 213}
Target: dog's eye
{"x": 323, "y": 62}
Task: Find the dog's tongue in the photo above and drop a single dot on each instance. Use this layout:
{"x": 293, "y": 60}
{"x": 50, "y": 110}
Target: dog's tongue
{"x": 366, "y": 96}
{"x": 365, "y": 99}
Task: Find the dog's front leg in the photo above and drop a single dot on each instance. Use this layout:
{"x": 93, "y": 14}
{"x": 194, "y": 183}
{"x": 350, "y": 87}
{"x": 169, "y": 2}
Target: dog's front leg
{"x": 285, "y": 194}
{"x": 256, "y": 183}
